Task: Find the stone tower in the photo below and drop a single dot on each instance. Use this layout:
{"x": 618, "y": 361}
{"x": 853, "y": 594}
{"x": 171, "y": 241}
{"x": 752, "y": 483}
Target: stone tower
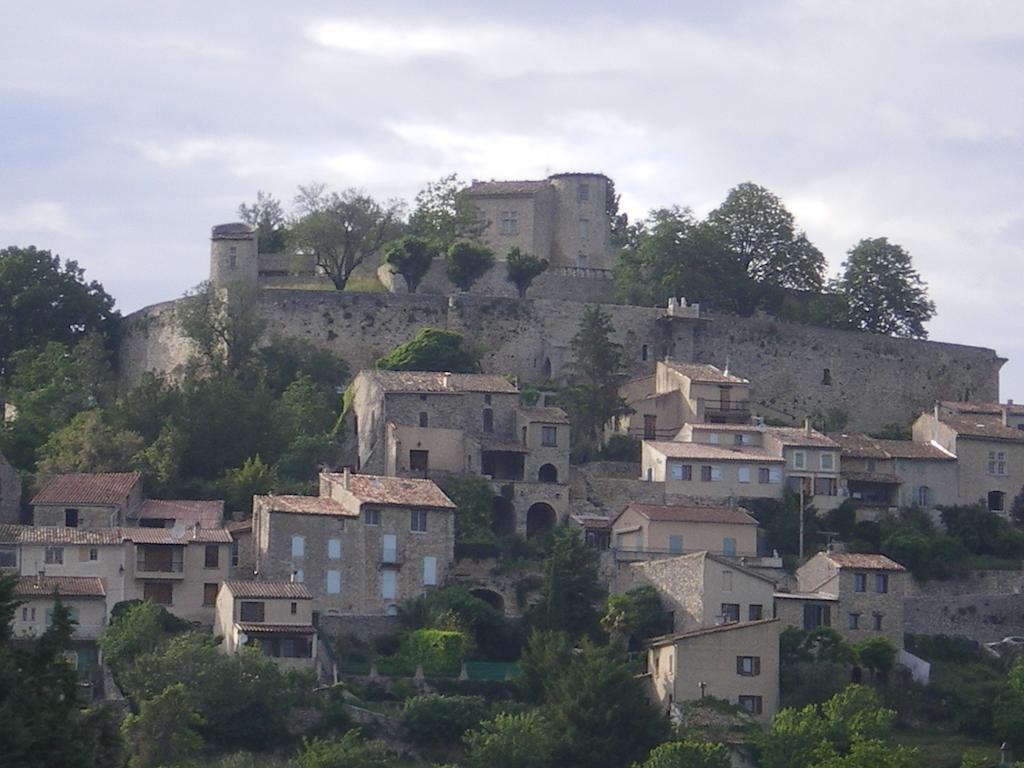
{"x": 234, "y": 255}
{"x": 581, "y": 225}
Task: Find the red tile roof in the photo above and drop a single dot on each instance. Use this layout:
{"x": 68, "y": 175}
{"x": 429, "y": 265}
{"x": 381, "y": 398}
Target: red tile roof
{"x": 32, "y": 534}
{"x": 704, "y": 373}
{"x": 65, "y": 586}
{"x": 259, "y": 628}
{"x": 523, "y": 187}
{"x": 990, "y": 409}
{"x": 105, "y": 488}
{"x": 798, "y": 437}
{"x": 867, "y": 562}
{"x": 209, "y": 514}
{"x": 866, "y": 447}
{"x": 679, "y": 514}
{"x": 983, "y": 427}
{"x": 544, "y": 415}
{"x": 393, "y": 491}
{"x": 177, "y": 535}
{"x": 433, "y": 382}
{"x": 308, "y": 505}
{"x": 269, "y": 590}
{"x": 730, "y": 627}
{"x": 704, "y": 451}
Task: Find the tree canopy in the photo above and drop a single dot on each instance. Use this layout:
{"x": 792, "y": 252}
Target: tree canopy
{"x": 444, "y": 214}
{"x": 523, "y": 268}
{"x": 466, "y": 262}
{"x": 267, "y": 216}
{"x": 432, "y": 349}
{"x": 411, "y": 258}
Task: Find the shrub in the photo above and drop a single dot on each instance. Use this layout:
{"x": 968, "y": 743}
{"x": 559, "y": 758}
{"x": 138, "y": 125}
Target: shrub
{"x": 432, "y": 720}
{"x": 439, "y": 651}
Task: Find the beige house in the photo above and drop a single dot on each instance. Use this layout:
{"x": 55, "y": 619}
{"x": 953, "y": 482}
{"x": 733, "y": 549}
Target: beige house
{"x": 274, "y": 616}
{"x": 434, "y": 425}
{"x": 363, "y": 546}
{"x": 10, "y": 492}
{"x": 702, "y": 589}
{"x": 736, "y": 662}
{"x": 82, "y": 500}
{"x": 656, "y": 530}
{"x": 696, "y": 471}
{"x": 989, "y": 451}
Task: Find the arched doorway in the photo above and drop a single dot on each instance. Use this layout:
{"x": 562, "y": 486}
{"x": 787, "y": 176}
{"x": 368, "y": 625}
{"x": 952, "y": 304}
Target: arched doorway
{"x": 540, "y": 518}
{"x": 489, "y": 596}
{"x": 548, "y": 473}
{"x": 503, "y": 516}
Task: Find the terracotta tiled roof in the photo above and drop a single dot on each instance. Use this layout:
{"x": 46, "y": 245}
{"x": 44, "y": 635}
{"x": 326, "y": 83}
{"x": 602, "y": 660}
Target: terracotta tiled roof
{"x": 866, "y": 447}
{"x": 798, "y": 437}
{"x": 177, "y": 535}
{"x": 544, "y": 415}
{"x": 730, "y": 627}
{"x": 984, "y": 427}
{"x": 393, "y": 491}
{"x": 431, "y": 382}
{"x": 259, "y": 628}
{"x": 860, "y": 447}
{"x": 269, "y": 590}
{"x": 239, "y": 526}
{"x": 704, "y": 373}
{"x": 703, "y": 451}
{"x": 308, "y": 505}
{"x": 105, "y": 488}
{"x": 988, "y": 409}
{"x": 65, "y": 586}
{"x": 32, "y": 534}
{"x": 507, "y": 187}
{"x": 868, "y": 562}
{"x": 209, "y": 514}
{"x": 658, "y": 513}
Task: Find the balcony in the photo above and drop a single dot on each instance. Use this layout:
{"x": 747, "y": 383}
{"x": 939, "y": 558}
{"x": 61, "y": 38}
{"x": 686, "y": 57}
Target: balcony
{"x": 724, "y": 411}
{"x": 160, "y": 562}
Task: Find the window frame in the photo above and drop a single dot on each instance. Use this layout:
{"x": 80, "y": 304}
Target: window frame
{"x": 548, "y": 436}
{"x": 418, "y": 520}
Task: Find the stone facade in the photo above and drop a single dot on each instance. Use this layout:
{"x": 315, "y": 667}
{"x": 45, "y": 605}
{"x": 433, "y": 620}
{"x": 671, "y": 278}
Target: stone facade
{"x": 89, "y": 501}
{"x": 10, "y": 492}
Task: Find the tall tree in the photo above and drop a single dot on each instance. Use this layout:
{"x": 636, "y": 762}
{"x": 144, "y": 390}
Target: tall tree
{"x": 267, "y": 216}
{"x": 883, "y": 291}
{"x": 570, "y": 590}
{"x": 445, "y": 214}
{"x": 592, "y": 395}
{"x": 342, "y": 230}
{"x": 224, "y": 324}
{"x": 88, "y": 444}
{"x": 762, "y": 233}
{"x": 523, "y": 269}
{"x": 467, "y": 262}
{"x": 411, "y": 257}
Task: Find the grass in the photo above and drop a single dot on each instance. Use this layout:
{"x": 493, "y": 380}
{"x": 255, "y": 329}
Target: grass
{"x": 943, "y": 748}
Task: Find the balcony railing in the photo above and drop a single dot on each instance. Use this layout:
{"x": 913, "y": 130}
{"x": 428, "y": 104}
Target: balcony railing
{"x": 175, "y": 567}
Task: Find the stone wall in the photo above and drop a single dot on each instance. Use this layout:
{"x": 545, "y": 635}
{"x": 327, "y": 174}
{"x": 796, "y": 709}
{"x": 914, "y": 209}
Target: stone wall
{"x": 983, "y": 618}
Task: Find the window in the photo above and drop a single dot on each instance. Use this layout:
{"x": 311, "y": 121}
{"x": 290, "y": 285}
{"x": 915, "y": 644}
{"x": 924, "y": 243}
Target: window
{"x": 713, "y": 438}
{"x": 739, "y": 439}
{"x": 418, "y": 521}
{"x": 510, "y": 222}
{"x": 923, "y": 496}
{"x": 28, "y": 614}
{"x": 755, "y": 612}
{"x": 997, "y": 462}
{"x": 234, "y": 553}
{"x": 424, "y": 420}
{"x": 881, "y": 583}
{"x": 730, "y": 612}
{"x": 753, "y": 704}
{"x": 210, "y": 593}
{"x": 251, "y": 610}
{"x": 675, "y": 544}
{"x": 159, "y": 592}
{"x": 643, "y": 352}
{"x": 295, "y": 608}
{"x": 775, "y": 476}
{"x": 334, "y": 549}
{"x": 996, "y": 501}
{"x": 232, "y": 256}
{"x": 871, "y": 465}
{"x": 487, "y": 399}
{"x": 744, "y": 474}
{"x": 798, "y": 459}
{"x": 211, "y": 556}
{"x": 387, "y": 585}
{"x": 876, "y": 621}
{"x": 764, "y": 475}
{"x": 429, "y": 571}
{"x": 549, "y": 436}
{"x": 860, "y": 582}
{"x": 423, "y": 398}
{"x": 729, "y": 547}
{"x": 582, "y": 193}
{"x": 54, "y": 556}
{"x": 727, "y": 581}
{"x": 298, "y": 546}
{"x": 650, "y": 427}
{"x": 299, "y": 575}
{"x": 584, "y": 229}
{"x": 828, "y": 462}
{"x": 817, "y": 615}
{"x": 826, "y": 486}
{"x": 389, "y": 548}
{"x": 488, "y": 420}
{"x": 8, "y": 557}
{"x": 419, "y": 461}
{"x": 826, "y": 377}
{"x": 680, "y": 471}
{"x": 334, "y": 582}
{"x": 853, "y": 621}
{"x": 710, "y": 474}
{"x": 371, "y": 517}
{"x": 71, "y": 518}
{"x": 748, "y": 666}
{"x": 94, "y": 554}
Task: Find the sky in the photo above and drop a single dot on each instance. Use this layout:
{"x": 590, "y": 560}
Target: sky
{"x": 128, "y": 129}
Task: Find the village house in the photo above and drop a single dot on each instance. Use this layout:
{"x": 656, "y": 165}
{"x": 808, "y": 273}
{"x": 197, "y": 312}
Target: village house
{"x": 83, "y": 500}
{"x": 243, "y": 562}
{"x": 363, "y": 546}
{"x": 702, "y": 589}
{"x": 167, "y": 513}
{"x": 274, "y": 616}
{"x": 737, "y": 662}
{"x": 858, "y": 595}
{"x": 434, "y": 425}
{"x": 643, "y": 531}
{"x": 989, "y": 449}
{"x": 10, "y": 492}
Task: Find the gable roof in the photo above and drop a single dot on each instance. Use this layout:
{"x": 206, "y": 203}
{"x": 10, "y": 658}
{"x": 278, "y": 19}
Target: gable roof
{"x": 677, "y": 449}
{"x": 392, "y": 491}
{"x": 65, "y": 586}
{"x": 307, "y": 505}
{"x": 544, "y": 415}
{"x": 269, "y": 590}
{"x": 704, "y": 373}
{"x": 102, "y": 488}
{"x": 798, "y": 437}
{"x": 867, "y": 447}
{"x": 697, "y": 560}
{"x": 867, "y": 562}
{"x": 989, "y": 409}
{"x": 983, "y": 427}
{"x": 58, "y": 535}
{"x": 209, "y": 514}
{"x": 692, "y": 514}
{"x": 431, "y": 382}
{"x": 654, "y": 642}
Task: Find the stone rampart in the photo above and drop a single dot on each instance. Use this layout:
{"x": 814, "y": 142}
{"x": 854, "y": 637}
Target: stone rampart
{"x": 983, "y": 618}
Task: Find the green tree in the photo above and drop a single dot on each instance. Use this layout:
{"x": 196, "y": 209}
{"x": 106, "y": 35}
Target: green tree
{"x": 135, "y": 628}
{"x": 545, "y": 658}
{"x": 45, "y": 300}
{"x": 253, "y": 478}
{"x": 445, "y": 214}
{"x": 883, "y": 291}
{"x": 877, "y": 654}
{"x": 570, "y": 590}
{"x": 592, "y": 396}
{"x": 350, "y": 751}
{"x": 432, "y": 349}
{"x": 285, "y": 359}
{"x": 430, "y": 720}
{"x": 634, "y": 615}
{"x": 163, "y": 733}
{"x": 467, "y": 262}
{"x": 473, "y": 497}
{"x": 266, "y": 216}
{"x": 342, "y": 230}
{"x": 89, "y": 444}
{"x": 523, "y": 269}
{"x": 522, "y": 740}
{"x": 762, "y": 233}
{"x": 687, "y": 754}
{"x": 411, "y": 258}
{"x": 224, "y": 324}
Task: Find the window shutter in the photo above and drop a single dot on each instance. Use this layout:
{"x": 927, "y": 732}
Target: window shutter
{"x": 757, "y": 665}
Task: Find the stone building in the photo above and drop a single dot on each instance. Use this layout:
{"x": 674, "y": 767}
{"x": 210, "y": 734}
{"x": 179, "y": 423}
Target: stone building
{"x": 89, "y": 500}
{"x": 424, "y": 424}
{"x": 737, "y": 662}
{"x": 363, "y": 546}
{"x": 10, "y": 492}
{"x": 274, "y": 616}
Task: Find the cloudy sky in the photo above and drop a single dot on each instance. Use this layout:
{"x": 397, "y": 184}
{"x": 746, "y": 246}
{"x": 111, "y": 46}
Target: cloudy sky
{"x": 128, "y": 129}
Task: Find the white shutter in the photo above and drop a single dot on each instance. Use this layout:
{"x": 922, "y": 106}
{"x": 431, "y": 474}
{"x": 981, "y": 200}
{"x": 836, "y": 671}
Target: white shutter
{"x": 429, "y": 571}
{"x": 387, "y": 585}
{"x": 333, "y": 582}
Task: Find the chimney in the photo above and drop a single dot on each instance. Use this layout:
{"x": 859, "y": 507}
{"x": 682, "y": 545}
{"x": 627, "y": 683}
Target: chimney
{"x": 1005, "y": 413}
{"x": 40, "y": 575}
{"x": 346, "y": 473}
{"x": 807, "y": 427}
{"x": 292, "y": 577}
{"x": 446, "y": 379}
{"x": 936, "y": 410}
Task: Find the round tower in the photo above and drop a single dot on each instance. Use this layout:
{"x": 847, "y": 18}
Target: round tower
{"x": 234, "y": 255}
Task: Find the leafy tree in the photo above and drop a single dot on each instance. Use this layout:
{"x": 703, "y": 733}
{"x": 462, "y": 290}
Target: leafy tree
{"x": 135, "y": 628}
{"x": 445, "y": 214}
{"x": 253, "y": 478}
{"x": 545, "y": 657}
{"x": 342, "y": 230}
{"x": 89, "y": 444}
{"x": 467, "y": 262}
{"x": 877, "y": 654}
{"x": 411, "y": 257}
{"x": 44, "y": 300}
{"x": 636, "y": 614}
{"x": 570, "y": 588}
{"x": 163, "y": 731}
{"x": 432, "y": 349}
{"x": 473, "y": 497}
{"x": 431, "y": 720}
{"x": 600, "y": 712}
{"x": 267, "y": 216}
{"x": 523, "y": 740}
{"x": 285, "y": 359}
{"x": 454, "y": 607}
{"x": 592, "y": 396}
{"x": 883, "y": 291}
{"x": 523, "y": 269}
{"x": 350, "y": 751}
{"x": 687, "y": 754}
{"x": 762, "y": 233}
{"x": 223, "y": 324}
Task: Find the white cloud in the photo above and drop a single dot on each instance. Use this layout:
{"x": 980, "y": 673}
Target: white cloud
{"x": 42, "y": 217}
